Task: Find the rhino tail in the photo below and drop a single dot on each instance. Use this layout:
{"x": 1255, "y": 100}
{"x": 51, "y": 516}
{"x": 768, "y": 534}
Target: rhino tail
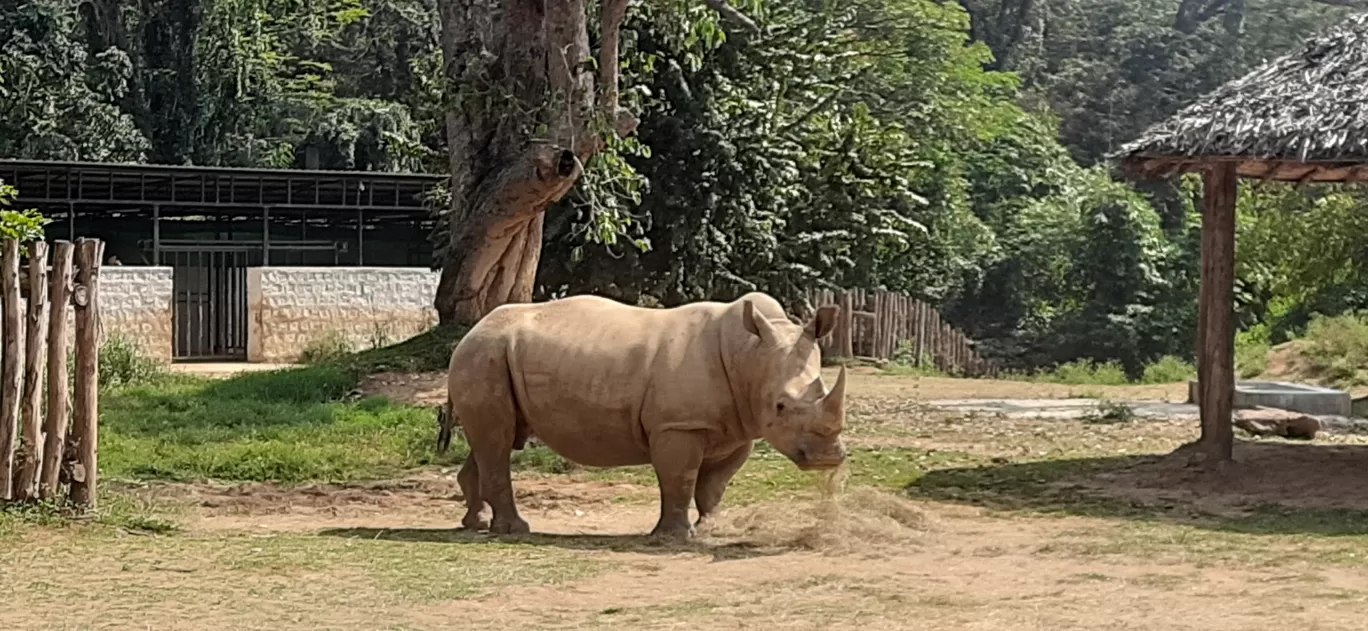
{"x": 446, "y": 424}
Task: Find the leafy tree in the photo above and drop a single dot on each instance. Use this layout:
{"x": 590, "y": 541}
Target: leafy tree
{"x": 22, "y": 225}
{"x": 58, "y": 101}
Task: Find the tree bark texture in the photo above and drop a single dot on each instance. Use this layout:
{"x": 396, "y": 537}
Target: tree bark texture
{"x": 521, "y": 123}
{"x": 1216, "y": 337}
{"x": 521, "y": 80}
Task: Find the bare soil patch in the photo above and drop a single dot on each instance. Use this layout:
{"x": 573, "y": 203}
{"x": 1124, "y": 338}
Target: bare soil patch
{"x": 865, "y": 383}
{"x": 1267, "y": 473}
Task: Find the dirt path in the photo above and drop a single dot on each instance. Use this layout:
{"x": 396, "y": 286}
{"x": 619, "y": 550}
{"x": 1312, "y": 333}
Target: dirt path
{"x": 385, "y": 555}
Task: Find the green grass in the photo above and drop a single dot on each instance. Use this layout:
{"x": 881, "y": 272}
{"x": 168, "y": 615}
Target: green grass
{"x": 286, "y": 426}
{"x": 425, "y": 352}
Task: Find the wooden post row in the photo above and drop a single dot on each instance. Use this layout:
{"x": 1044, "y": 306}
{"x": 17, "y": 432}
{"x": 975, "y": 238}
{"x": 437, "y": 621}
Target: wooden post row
{"x": 85, "y": 427}
{"x": 10, "y": 363}
{"x": 58, "y": 406}
{"x": 29, "y": 456}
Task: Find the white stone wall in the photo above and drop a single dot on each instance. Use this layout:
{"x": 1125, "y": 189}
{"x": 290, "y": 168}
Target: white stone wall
{"x": 136, "y": 301}
{"x": 293, "y": 308}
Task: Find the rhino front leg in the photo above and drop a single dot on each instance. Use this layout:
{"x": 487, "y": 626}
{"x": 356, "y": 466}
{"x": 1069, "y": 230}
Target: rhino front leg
{"x": 676, "y": 457}
{"x": 713, "y": 479}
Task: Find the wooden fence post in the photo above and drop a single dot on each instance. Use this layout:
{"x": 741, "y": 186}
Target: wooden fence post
{"x": 30, "y": 455}
{"x": 58, "y": 407}
{"x": 11, "y": 353}
{"x": 85, "y": 426}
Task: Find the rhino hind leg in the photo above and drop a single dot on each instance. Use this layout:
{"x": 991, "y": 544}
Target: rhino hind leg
{"x": 469, "y": 479}
{"x": 491, "y": 446}
{"x": 713, "y": 478}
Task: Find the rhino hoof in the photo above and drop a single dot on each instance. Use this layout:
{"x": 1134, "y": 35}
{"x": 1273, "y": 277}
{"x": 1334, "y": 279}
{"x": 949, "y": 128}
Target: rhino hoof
{"x": 673, "y": 534}
{"x": 510, "y": 527}
{"x": 475, "y": 522}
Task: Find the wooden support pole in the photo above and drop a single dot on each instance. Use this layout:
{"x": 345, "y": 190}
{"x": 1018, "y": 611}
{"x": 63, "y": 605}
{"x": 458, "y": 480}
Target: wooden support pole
{"x": 11, "y": 360}
{"x": 58, "y": 406}
{"x": 29, "y": 458}
{"x": 85, "y": 422}
{"x": 1216, "y": 337}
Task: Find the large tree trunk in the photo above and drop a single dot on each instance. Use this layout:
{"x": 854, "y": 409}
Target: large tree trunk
{"x": 519, "y": 130}
{"x": 523, "y": 94}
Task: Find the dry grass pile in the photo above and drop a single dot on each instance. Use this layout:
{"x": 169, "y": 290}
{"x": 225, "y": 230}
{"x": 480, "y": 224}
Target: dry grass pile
{"x": 837, "y": 521}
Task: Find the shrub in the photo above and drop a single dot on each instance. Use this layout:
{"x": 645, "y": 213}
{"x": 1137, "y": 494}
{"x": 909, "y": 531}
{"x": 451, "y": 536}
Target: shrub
{"x": 1086, "y": 372}
{"x": 123, "y": 363}
{"x": 1169, "y": 369}
{"x": 329, "y": 347}
{"x": 1337, "y": 348}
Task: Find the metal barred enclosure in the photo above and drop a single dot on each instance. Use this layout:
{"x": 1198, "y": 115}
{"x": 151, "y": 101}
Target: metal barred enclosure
{"x": 882, "y": 325}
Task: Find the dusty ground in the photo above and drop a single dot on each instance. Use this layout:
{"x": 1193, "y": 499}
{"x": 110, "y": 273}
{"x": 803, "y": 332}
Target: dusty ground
{"x": 429, "y": 388}
{"x": 1024, "y": 524}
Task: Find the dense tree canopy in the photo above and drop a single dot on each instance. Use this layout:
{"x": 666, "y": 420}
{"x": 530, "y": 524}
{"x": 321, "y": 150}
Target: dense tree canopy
{"x": 955, "y": 151}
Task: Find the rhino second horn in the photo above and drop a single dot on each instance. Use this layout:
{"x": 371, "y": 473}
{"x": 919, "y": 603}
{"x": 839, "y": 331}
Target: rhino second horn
{"x": 834, "y": 404}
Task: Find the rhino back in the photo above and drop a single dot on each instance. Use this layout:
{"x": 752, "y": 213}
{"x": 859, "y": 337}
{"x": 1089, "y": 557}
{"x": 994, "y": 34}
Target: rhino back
{"x": 595, "y": 378}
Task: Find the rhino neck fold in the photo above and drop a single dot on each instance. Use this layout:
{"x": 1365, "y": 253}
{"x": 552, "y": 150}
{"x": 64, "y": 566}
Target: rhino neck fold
{"x": 733, "y": 351}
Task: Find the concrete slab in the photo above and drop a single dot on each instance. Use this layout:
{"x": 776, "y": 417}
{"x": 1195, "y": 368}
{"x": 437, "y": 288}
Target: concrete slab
{"x": 1294, "y": 397}
{"x": 1062, "y": 408}
{"x": 224, "y": 369}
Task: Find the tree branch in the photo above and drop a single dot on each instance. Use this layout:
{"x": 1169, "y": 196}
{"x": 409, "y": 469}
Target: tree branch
{"x": 611, "y": 16}
{"x": 731, "y": 13}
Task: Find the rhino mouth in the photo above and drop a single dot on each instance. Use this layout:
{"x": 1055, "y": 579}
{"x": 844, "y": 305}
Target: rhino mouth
{"x": 819, "y": 465}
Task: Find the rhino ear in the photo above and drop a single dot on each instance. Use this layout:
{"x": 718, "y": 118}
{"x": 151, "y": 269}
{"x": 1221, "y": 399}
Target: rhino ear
{"x": 756, "y": 323}
{"x": 823, "y": 322}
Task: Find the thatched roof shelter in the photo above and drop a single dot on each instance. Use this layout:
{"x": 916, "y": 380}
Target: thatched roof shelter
{"x": 1302, "y": 117}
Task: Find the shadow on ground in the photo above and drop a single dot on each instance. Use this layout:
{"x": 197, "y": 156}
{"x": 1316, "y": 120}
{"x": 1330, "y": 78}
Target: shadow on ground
{"x": 1274, "y": 488}
{"x": 641, "y": 544}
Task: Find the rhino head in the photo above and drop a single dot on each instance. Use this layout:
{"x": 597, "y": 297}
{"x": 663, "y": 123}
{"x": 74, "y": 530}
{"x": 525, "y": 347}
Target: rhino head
{"x": 789, "y": 405}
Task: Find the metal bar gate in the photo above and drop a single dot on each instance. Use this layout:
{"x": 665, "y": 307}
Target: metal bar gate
{"x": 210, "y": 288}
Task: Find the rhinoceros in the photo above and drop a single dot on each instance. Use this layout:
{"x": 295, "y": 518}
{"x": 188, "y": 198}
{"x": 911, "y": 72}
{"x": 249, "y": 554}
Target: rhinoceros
{"x": 687, "y": 390}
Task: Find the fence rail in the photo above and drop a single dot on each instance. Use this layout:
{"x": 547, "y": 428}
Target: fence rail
{"x": 882, "y": 325}
{"x": 45, "y": 440}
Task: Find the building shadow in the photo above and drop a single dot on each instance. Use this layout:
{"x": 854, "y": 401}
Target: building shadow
{"x": 1274, "y": 488}
{"x": 640, "y": 544}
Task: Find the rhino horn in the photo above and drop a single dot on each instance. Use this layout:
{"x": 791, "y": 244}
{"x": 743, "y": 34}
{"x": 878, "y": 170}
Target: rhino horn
{"x": 834, "y": 405}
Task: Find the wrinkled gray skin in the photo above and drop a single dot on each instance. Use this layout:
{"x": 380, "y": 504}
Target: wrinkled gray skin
{"x": 687, "y": 390}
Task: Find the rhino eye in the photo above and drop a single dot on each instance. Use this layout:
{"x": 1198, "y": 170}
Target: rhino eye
{"x": 779, "y": 408}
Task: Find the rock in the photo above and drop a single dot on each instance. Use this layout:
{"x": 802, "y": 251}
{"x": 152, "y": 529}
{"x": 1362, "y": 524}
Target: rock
{"x": 1273, "y": 422}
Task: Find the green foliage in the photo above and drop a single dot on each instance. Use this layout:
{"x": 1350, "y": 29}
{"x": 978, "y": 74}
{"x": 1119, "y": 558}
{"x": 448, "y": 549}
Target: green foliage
{"x": 1087, "y": 372}
{"x": 1337, "y": 349}
{"x": 22, "y": 225}
{"x": 1251, "y": 351}
{"x": 426, "y": 352}
{"x": 1091, "y": 274}
{"x": 1108, "y": 412}
{"x": 1169, "y": 369}
{"x": 58, "y": 95}
{"x": 821, "y": 153}
{"x": 329, "y": 347}
{"x": 123, "y": 363}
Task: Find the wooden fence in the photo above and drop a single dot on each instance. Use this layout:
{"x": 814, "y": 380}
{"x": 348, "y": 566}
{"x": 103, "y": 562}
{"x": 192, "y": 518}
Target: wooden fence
{"x": 45, "y": 440}
{"x": 881, "y": 325}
